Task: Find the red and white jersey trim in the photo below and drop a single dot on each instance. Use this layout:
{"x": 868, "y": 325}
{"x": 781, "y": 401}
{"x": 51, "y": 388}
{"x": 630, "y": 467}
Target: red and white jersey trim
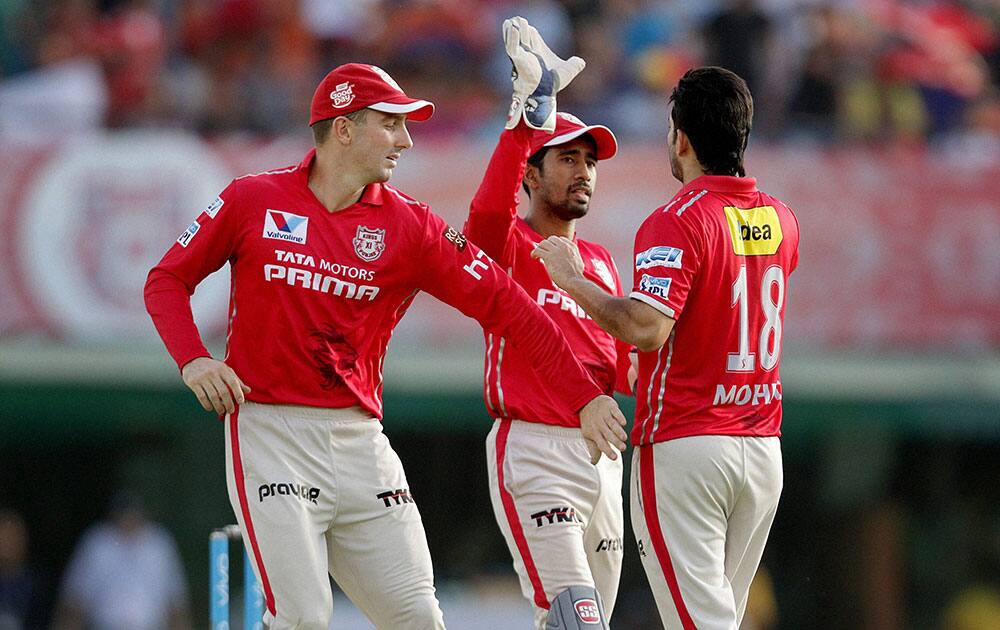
{"x": 660, "y": 306}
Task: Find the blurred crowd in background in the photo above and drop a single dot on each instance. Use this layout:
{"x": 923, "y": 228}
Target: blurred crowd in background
{"x": 913, "y": 71}
{"x": 902, "y": 523}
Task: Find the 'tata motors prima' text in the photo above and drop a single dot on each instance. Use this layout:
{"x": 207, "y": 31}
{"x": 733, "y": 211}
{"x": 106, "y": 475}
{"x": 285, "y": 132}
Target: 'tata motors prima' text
{"x": 321, "y": 282}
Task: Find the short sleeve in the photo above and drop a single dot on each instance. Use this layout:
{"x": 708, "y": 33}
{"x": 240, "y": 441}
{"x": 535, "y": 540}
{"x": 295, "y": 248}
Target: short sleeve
{"x": 667, "y": 255}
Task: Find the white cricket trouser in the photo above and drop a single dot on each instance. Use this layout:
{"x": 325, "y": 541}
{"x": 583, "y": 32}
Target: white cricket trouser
{"x": 561, "y": 515}
{"x": 701, "y": 509}
{"x": 318, "y": 491}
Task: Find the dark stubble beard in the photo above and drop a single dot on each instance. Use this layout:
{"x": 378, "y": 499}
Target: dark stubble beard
{"x": 567, "y": 211}
{"x": 675, "y": 165}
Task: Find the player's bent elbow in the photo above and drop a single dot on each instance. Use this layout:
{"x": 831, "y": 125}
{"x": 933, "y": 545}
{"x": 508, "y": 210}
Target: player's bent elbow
{"x": 649, "y": 343}
{"x": 651, "y": 338}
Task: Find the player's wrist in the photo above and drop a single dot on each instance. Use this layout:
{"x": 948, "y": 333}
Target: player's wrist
{"x": 575, "y": 284}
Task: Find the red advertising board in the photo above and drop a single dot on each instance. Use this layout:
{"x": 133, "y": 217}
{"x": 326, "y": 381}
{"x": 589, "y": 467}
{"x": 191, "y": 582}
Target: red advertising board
{"x": 898, "y": 251}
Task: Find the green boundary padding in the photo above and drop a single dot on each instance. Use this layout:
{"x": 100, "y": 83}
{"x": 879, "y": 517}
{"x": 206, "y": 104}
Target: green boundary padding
{"x": 47, "y": 412}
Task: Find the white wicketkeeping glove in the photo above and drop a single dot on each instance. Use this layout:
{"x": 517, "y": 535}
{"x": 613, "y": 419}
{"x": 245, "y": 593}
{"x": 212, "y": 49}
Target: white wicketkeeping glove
{"x": 537, "y": 75}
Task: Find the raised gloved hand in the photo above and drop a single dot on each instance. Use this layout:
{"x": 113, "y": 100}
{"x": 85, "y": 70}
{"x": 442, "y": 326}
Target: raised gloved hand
{"x": 538, "y": 75}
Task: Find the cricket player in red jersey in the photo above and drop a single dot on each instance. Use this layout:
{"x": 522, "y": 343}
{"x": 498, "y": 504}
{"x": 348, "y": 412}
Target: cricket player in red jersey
{"x": 561, "y": 516}
{"x": 706, "y": 312}
{"x": 325, "y": 258}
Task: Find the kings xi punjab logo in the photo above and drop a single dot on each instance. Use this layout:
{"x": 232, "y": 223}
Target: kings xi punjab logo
{"x": 369, "y": 244}
{"x": 342, "y": 95}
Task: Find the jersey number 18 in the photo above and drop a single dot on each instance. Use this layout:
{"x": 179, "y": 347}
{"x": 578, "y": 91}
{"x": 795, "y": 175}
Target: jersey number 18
{"x": 743, "y": 360}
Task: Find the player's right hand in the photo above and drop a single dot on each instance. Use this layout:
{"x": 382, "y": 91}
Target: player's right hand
{"x": 602, "y": 425}
{"x": 215, "y": 384}
{"x": 538, "y": 73}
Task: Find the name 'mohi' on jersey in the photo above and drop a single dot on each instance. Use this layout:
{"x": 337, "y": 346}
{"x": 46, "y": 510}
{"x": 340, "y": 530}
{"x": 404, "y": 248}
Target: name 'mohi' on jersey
{"x": 716, "y": 259}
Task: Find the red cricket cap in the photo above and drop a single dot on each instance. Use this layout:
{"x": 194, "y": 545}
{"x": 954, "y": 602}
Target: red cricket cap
{"x": 354, "y": 86}
{"x": 569, "y": 127}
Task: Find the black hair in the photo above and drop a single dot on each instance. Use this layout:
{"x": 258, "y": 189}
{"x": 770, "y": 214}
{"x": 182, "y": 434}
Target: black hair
{"x": 714, "y": 108}
{"x": 536, "y": 159}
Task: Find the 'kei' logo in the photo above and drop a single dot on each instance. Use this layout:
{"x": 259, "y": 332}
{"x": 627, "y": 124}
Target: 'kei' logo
{"x": 587, "y": 610}
{"x": 659, "y": 256}
{"x": 214, "y": 207}
{"x": 285, "y": 226}
{"x": 342, "y": 95}
{"x": 368, "y": 243}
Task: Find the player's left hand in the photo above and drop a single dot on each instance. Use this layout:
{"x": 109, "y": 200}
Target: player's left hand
{"x": 561, "y": 258}
{"x": 602, "y": 425}
{"x": 538, "y": 74}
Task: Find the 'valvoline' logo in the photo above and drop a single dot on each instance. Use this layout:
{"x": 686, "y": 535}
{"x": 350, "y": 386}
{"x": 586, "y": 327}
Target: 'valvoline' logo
{"x": 285, "y": 226}
{"x": 587, "y": 611}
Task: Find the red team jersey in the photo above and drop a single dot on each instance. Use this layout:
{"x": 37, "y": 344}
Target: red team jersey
{"x": 716, "y": 259}
{"x": 316, "y": 294}
{"x": 512, "y": 389}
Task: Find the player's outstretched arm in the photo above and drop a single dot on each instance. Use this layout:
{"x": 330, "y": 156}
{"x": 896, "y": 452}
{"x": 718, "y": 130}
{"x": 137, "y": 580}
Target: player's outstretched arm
{"x": 602, "y": 425}
{"x": 631, "y": 321}
{"x": 493, "y": 211}
{"x": 215, "y": 384}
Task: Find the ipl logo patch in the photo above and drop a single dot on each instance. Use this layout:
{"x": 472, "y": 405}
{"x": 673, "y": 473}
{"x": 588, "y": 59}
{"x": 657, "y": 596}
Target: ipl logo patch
{"x": 368, "y": 243}
{"x": 285, "y": 226}
{"x": 655, "y": 286}
{"x": 342, "y": 95}
{"x": 587, "y": 611}
{"x": 188, "y": 234}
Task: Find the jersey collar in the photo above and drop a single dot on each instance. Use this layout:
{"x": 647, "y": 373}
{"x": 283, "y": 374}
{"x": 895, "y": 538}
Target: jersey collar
{"x": 722, "y": 183}
{"x": 372, "y": 195}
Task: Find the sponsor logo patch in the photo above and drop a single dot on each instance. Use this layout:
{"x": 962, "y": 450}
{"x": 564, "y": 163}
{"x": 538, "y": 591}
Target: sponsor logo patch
{"x": 188, "y": 234}
{"x": 385, "y": 77}
{"x": 556, "y": 515}
{"x": 563, "y": 301}
{"x": 342, "y": 95}
{"x": 302, "y": 492}
{"x": 395, "y": 497}
{"x": 601, "y": 269}
{"x": 456, "y": 237}
{"x": 285, "y": 226}
{"x": 659, "y": 256}
{"x": 755, "y": 231}
{"x": 587, "y": 610}
{"x": 214, "y": 207}
{"x": 652, "y": 285}
{"x": 368, "y": 243}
